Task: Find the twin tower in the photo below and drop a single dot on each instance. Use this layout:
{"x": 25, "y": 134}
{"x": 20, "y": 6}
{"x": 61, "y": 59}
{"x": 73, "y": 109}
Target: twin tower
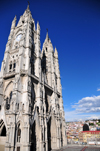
{"x": 31, "y": 105}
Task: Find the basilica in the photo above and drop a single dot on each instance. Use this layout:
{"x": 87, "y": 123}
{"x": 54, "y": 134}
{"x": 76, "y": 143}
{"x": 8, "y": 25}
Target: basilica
{"x": 31, "y": 105}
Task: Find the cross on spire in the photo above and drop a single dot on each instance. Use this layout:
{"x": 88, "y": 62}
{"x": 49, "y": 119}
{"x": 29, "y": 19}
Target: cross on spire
{"x": 28, "y": 3}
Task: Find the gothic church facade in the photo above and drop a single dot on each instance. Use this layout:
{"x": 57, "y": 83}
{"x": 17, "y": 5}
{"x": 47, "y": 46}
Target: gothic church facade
{"x": 31, "y": 105}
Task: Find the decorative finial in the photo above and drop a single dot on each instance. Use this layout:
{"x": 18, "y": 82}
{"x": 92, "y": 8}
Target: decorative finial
{"x": 28, "y": 5}
{"x": 47, "y": 30}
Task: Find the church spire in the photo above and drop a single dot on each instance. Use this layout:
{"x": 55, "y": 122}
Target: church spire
{"x": 28, "y": 9}
{"x": 28, "y": 5}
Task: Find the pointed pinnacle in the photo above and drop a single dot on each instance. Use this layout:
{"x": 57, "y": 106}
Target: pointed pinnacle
{"x": 56, "y": 53}
{"x": 15, "y": 17}
{"x": 47, "y": 36}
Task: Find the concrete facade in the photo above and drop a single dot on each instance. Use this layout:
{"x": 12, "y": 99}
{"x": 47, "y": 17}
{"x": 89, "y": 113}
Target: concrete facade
{"x": 31, "y": 104}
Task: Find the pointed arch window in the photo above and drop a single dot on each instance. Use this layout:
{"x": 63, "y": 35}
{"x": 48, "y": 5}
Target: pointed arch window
{"x": 32, "y": 62}
{"x": 56, "y": 79}
{"x": 18, "y": 134}
{"x": 2, "y": 128}
{"x": 10, "y": 97}
{"x": 8, "y": 100}
{"x": 14, "y": 65}
{"x": 46, "y": 48}
{"x": 44, "y": 63}
{"x": 3, "y": 133}
{"x": 10, "y": 66}
{"x": 46, "y": 102}
{"x": 7, "y": 104}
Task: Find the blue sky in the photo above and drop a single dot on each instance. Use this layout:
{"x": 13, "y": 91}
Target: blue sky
{"x": 74, "y": 28}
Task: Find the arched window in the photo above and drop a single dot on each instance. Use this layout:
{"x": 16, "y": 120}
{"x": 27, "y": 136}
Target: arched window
{"x": 14, "y": 65}
{"x": 10, "y": 97}
{"x": 2, "y": 128}
{"x": 46, "y": 102}
{"x": 44, "y": 63}
{"x": 18, "y": 106}
{"x": 56, "y": 78}
{"x": 46, "y": 48}
{"x": 32, "y": 96}
{"x": 7, "y": 103}
{"x": 18, "y": 133}
{"x": 10, "y": 66}
{"x": 32, "y": 61}
{"x": 3, "y": 133}
{"x": 33, "y": 137}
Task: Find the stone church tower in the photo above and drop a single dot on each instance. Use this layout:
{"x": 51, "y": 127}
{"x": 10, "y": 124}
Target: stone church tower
{"x": 31, "y": 105}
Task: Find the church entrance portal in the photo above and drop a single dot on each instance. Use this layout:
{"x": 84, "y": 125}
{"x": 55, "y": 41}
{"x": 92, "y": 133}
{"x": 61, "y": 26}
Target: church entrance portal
{"x": 2, "y": 135}
{"x": 49, "y": 134}
{"x": 33, "y": 137}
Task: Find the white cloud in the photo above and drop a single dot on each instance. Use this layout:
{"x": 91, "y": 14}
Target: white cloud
{"x": 88, "y": 105}
{"x": 86, "y": 108}
{"x": 74, "y": 116}
{"x": 98, "y": 89}
{"x": 94, "y": 117}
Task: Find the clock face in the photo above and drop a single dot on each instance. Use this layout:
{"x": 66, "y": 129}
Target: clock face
{"x": 19, "y": 37}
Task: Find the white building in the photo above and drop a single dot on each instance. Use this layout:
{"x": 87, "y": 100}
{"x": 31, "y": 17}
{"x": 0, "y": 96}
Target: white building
{"x": 31, "y": 105}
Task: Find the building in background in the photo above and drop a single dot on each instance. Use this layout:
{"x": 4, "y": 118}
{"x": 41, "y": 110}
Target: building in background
{"x": 89, "y": 137}
{"x": 31, "y": 105}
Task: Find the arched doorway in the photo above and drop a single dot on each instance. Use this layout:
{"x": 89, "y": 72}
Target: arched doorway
{"x": 2, "y": 135}
{"x": 33, "y": 137}
{"x": 49, "y": 134}
{"x": 2, "y": 128}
